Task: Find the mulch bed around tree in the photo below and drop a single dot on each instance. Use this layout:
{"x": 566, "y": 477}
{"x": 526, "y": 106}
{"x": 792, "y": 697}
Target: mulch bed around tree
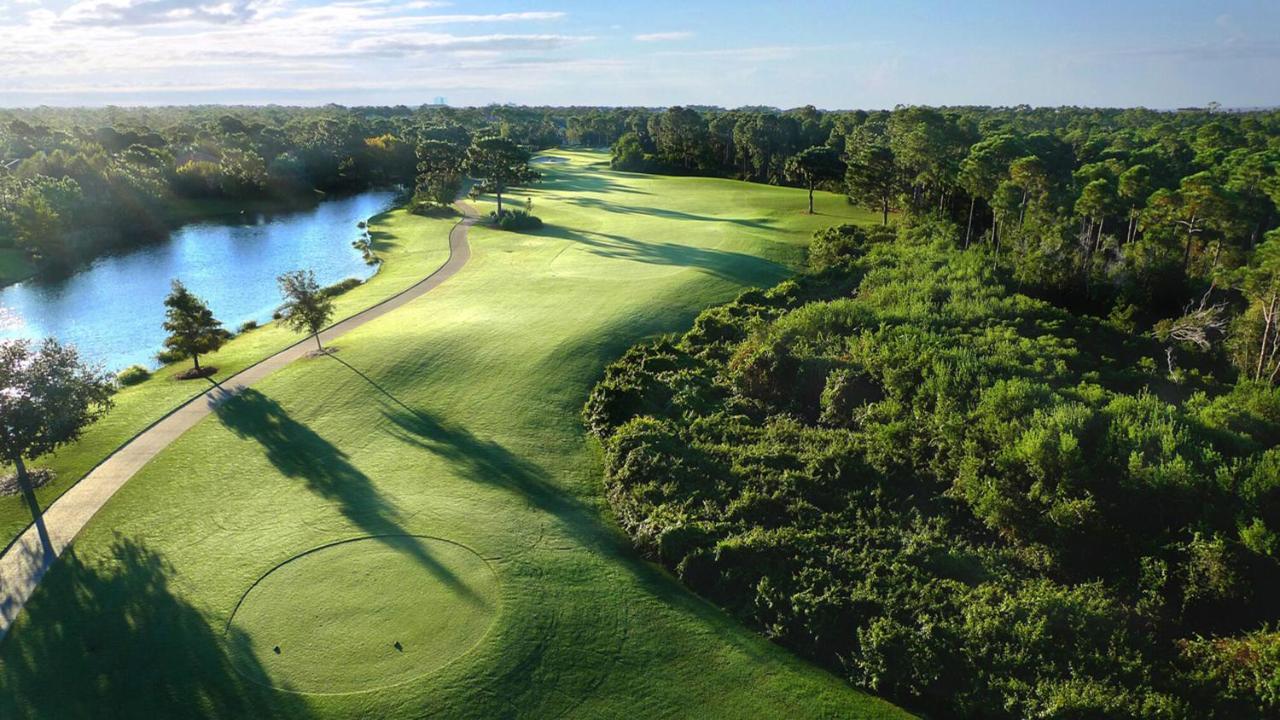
{"x": 194, "y": 374}
{"x": 38, "y": 477}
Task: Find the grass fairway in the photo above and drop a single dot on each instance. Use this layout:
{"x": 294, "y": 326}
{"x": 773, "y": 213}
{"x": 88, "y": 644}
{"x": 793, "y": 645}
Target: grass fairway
{"x": 448, "y": 432}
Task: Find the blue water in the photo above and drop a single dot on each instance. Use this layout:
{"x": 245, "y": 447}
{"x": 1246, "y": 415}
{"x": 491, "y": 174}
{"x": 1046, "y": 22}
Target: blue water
{"x": 113, "y": 309}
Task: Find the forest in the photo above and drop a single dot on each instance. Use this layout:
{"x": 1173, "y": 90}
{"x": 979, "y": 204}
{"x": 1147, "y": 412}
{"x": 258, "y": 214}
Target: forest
{"x": 1010, "y": 454}
{"x": 77, "y": 182}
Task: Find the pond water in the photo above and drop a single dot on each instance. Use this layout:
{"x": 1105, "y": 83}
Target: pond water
{"x": 112, "y": 310}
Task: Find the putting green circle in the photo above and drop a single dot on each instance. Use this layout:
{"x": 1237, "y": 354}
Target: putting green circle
{"x": 363, "y": 614}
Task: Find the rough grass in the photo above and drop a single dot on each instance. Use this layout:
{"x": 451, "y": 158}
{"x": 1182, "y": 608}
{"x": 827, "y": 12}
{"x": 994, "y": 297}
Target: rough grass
{"x": 455, "y": 417}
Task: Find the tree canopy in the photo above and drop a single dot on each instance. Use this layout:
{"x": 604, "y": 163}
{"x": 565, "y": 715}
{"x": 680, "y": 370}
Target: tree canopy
{"x": 193, "y": 330}
{"x": 307, "y": 307}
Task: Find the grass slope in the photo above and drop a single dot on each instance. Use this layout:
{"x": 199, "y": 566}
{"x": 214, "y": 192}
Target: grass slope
{"x": 411, "y": 247}
{"x": 454, "y": 418}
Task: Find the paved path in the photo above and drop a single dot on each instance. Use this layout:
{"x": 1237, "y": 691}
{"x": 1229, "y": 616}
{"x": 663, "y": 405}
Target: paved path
{"x": 26, "y": 560}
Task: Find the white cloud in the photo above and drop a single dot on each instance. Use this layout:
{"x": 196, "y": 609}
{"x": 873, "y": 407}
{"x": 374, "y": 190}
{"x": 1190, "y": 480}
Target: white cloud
{"x": 203, "y": 49}
{"x": 151, "y": 12}
{"x": 664, "y": 36}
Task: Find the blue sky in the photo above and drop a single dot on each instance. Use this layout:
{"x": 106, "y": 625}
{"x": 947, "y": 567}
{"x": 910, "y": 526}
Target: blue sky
{"x": 830, "y": 54}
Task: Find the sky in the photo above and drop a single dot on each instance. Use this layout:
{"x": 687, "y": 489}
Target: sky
{"x": 782, "y": 53}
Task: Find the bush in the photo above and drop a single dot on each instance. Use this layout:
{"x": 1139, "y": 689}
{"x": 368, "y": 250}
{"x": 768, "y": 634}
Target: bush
{"x": 341, "y": 287}
{"x": 515, "y": 220}
{"x": 132, "y": 375}
{"x": 164, "y": 357}
{"x": 246, "y": 326}
{"x": 941, "y": 488}
{"x": 837, "y": 245}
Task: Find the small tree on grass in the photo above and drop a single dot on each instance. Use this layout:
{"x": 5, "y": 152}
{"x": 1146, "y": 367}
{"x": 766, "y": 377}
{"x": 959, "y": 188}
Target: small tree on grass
{"x": 192, "y": 328}
{"x": 816, "y": 165}
{"x": 307, "y": 308}
{"x": 501, "y": 162}
{"x": 47, "y": 397}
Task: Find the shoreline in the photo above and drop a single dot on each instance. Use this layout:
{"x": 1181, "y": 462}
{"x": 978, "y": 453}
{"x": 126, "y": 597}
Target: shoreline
{"x": 186, "y": 212}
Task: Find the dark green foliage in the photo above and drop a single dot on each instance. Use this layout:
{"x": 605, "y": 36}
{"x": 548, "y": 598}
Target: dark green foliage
{"x": 307, "y": 306}
{"x": 515, "y": 220}
{"x": 499, "y": 162}
{"x": 193, "y": 330}
{"x": 965, "y": 498}
{"x": 836, "y": 245}
{"x": 341, "y": 287}
{"x": 628, "y": 154}
{"x": 132, "y": 375}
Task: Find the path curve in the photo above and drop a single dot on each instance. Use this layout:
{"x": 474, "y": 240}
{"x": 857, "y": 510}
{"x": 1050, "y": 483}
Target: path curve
{"x": 25, "y": 561}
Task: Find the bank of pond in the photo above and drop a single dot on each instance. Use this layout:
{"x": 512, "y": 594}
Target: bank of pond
{"x": 113, "y": 309}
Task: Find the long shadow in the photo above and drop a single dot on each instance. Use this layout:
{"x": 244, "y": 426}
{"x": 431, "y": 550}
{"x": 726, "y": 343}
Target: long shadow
{"x": 297, "y": 451}
{"x": 489, "y": 463}
{"x": 584, "y": 182}
{"x": 724, "y": 264}
{"x": 763, "y": 223}
{"x": 112, "y": 640}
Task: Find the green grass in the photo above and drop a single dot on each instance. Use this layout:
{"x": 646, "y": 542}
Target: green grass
{"x": 14, "y": 266}
{"x": 455, "y": 418}
{"x": 411, "y": 247}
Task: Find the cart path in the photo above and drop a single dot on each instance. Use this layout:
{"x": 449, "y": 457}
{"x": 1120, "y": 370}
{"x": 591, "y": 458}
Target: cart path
{"x": 26, "y": 560}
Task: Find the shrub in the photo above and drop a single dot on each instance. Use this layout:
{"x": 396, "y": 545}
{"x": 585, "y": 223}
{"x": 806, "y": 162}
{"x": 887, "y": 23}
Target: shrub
{"x": 165, "y": 357}
{"x": 132, "y": 375}
{"x": 515, "y": 220}
{"x": 837, "y": 245}
{"x": 341, "y": 287}
{"x": 247, "y": 325}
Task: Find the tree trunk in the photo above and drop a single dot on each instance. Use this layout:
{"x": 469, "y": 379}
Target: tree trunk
{"x": 1097, "y": 243}
{"x": 1133, "y": 217}
{"x": 1268, "y": 318}
{"x": 499, "y": 193}
{"x": 811, "y": 199}
{"x": 37, "y": 517}
{"x": 969, "y": 229}
{"x": 316, "y": 335}
{"x": 1187, "y": 251}
{"x": 884, "y": 210}
{"x": 195, "y": 358}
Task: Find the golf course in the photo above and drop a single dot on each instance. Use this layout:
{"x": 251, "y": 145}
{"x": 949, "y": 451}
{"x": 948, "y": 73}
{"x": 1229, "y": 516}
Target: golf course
{"x": 412, "y": 525}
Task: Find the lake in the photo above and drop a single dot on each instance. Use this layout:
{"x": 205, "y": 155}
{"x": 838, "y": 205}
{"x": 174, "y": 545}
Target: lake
{"x": 112, "y": 310}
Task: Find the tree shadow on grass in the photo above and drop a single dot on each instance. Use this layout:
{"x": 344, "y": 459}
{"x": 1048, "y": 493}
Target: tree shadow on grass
{"x": 597, "y": 204}
{"x": 489, "y": 463}
{"x": 725, "y": 264}
{"x": 584, "y": 182}
{"x": 112, "y": 639}
{"x": 299, "y": 452}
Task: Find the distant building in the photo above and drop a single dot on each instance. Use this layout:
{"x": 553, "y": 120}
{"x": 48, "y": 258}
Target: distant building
{"x": 439, "y": 100}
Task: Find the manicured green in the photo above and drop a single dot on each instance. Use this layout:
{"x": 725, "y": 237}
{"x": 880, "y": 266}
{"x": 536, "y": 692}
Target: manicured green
{"x": 457, "y": 418}
{"x": 411, "y": 247}
{"x": 364, "y": 614}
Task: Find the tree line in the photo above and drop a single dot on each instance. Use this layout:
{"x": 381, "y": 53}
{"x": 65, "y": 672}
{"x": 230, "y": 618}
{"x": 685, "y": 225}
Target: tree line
{"x": 74, "y": 182}
{"x": 1154, "y": 219}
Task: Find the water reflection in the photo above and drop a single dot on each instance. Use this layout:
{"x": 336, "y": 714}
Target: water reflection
{"x": 113, "y": 309}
